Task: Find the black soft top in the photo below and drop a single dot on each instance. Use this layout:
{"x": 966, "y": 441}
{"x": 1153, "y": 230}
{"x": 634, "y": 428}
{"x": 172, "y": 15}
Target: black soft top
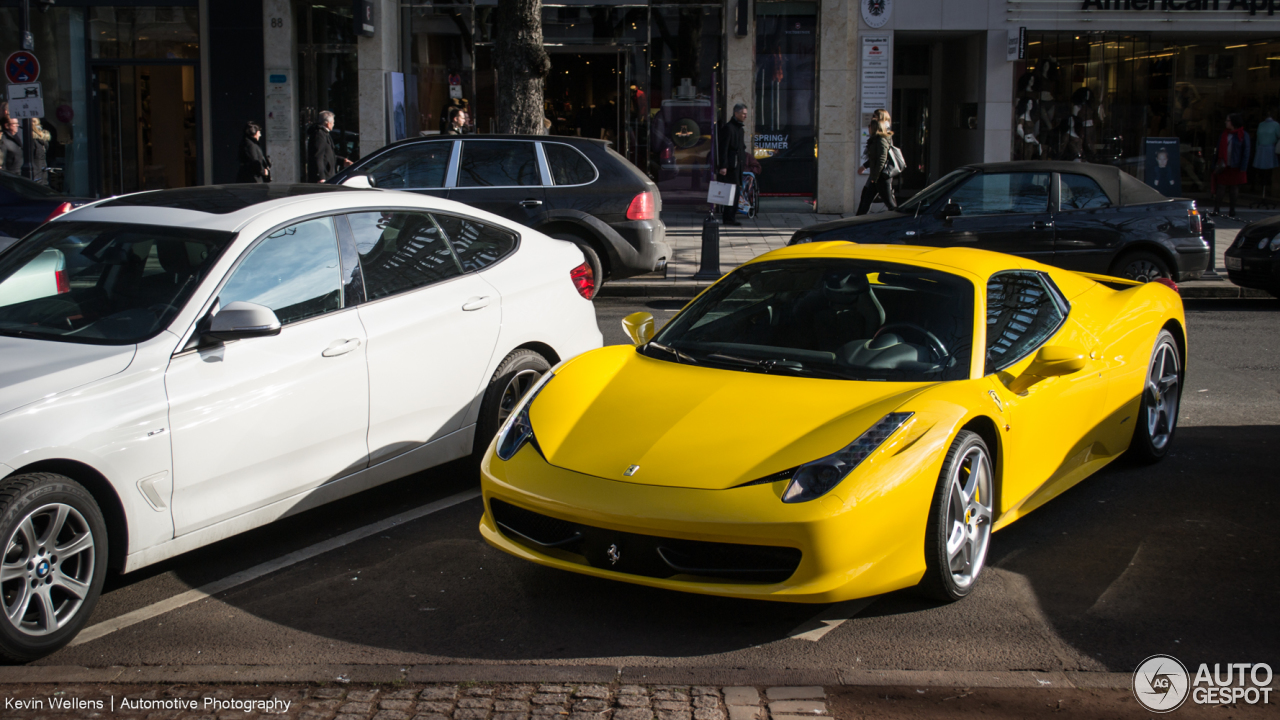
{"x": 1121, "y": 187}
{"x": 220, "y": 199}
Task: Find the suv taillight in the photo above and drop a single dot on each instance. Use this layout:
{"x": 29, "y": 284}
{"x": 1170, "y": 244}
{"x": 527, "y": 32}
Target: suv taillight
{"x": 641, "y": 207}
{"x": 584, "y": 280}
{"x": 62, "y": 209}
{"x": 1193, "y": 220}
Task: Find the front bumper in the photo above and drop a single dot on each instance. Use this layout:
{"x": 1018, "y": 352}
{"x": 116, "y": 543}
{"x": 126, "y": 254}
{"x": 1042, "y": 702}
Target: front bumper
{"x": 1254, "y": 270}
{"x": 848, "y": 548}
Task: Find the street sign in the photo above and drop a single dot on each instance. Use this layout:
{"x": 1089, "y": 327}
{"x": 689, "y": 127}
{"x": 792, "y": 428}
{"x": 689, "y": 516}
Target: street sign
{"x": 26, "y": 100}
{"x": 22, "y": 67}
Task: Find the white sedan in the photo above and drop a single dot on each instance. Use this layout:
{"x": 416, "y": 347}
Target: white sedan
{"x": 212, "y": 359}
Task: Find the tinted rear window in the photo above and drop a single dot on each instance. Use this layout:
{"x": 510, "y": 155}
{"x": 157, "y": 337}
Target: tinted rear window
{"x": 568, "y": 166}
{"x": 498, "y": 163}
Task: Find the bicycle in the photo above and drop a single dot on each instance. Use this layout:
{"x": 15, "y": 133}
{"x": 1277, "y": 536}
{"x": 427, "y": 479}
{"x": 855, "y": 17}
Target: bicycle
{"x": 748, "y": 195}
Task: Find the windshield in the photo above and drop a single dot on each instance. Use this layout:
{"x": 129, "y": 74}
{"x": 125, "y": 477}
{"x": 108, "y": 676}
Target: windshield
{"x": 102, "y": 283}
{"x": 826, "y": 317}
{"x": 925, "y": 199}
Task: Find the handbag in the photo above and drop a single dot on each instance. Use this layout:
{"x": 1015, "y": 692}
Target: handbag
{"x": 897, "y": 163}
{"x": 720, "y": 193}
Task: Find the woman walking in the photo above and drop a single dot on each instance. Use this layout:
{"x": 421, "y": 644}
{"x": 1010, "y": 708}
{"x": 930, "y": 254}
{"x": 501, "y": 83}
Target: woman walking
{"x": 254, "y": 165}
{"x": 879, "y": 148}
{"x": 1230, "y": 171}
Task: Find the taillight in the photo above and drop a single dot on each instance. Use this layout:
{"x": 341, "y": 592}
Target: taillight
{"x": 641, "y": 207}
{"x": 62, "y": 209}
{"x": 1193, "y": 221}
{"x": 1169, "y": 284}
{"x": 584, "y": 280}
{"x": 60, "y": 277}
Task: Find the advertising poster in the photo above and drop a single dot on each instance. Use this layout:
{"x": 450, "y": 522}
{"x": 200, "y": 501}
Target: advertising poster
{"x": 785, "y": 119}
{"x": 1163, "y": 171}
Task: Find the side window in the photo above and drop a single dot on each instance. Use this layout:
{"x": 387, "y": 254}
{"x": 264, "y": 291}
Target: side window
{"x": 996, "y": 193}
{"x": 293, "y": 271}
{"x": 498, "y": 163}
{"x": 423, "y": 165}
{"x": 400, "y": 251}
{"x": 1022, "y": 313}
{"x": 568, "y": 165}
{"x": 477, "y": 245}
{"x": 1081, "y": 193}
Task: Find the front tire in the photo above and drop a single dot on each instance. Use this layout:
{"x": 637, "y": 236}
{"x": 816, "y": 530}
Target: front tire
{"x": 958, "y": 533}
{"x": 513, "y": 378}
{"x": 1161, "y": 400}
{"x": 54, "y": 564}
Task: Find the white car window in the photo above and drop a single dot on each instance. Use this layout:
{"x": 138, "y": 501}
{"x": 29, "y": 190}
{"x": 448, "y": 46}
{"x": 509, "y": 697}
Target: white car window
{"x": 401, "y": 251}
{"x": 294, "y": 271}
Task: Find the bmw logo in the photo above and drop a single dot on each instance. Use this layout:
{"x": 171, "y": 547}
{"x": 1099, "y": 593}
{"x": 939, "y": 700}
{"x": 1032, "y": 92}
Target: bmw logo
{"x": 42, "y": 569}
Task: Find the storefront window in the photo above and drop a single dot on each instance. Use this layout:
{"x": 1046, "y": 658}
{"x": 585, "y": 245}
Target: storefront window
{"x": 683, "y": 103}
{"x": 329, "y": 80}
{"x": 786, "y": 93}
{"x": 1098, "y": 97}
{"x": 144, "y": 32}
{"x": 59, "y": 43}
{"x": 441, "y": 58}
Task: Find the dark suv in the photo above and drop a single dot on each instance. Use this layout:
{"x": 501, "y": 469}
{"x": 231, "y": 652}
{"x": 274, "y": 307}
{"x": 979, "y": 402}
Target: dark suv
{"x": 570, "y": 188}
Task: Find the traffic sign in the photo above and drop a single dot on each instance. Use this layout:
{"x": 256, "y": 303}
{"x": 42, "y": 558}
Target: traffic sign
{"x": 22, "y": 67}
{"x": 26, "y": 101}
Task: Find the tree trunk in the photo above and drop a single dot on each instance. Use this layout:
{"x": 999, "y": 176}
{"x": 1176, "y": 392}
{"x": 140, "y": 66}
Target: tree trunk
{"x": 522, "y": 64}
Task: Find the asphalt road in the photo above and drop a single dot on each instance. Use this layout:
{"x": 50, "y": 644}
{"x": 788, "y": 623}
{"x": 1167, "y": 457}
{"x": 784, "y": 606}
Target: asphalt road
{"x": 1180, "y": 558}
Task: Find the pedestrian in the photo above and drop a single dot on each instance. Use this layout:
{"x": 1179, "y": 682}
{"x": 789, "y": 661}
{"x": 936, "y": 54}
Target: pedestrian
{"x": 40, "y": 138}
{"x": 4, "y": 122}
{"x": 733, "y": 145}
{"x": 254, "y": 166}
{"x": 456, "y": 121}
{"x": 11, "y": 141}
{"x": 1231, "y": 168}
{"x": 879, "y": 148}
{"x": 322, "y": 158}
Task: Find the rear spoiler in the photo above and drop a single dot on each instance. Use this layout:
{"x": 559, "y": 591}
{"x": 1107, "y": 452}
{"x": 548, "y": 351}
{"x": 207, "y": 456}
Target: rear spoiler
{"x": 1115, "y": 283}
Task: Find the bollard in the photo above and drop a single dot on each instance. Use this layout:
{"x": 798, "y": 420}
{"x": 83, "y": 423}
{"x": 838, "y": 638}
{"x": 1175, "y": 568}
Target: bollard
{"x": 1211, "y": 236}
{"x": 709, "y": 267}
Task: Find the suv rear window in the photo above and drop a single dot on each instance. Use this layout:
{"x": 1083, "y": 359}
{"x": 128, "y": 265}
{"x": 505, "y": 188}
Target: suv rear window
{"x": 568, "y": 165}
{"x": 498, "y": 163}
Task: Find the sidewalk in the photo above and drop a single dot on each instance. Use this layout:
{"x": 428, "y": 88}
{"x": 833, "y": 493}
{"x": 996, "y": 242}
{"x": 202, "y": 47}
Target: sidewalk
{"x": 780, "y": 217}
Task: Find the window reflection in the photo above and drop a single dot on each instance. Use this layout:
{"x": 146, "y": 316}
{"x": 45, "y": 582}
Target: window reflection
{"x": 144, "y": 32}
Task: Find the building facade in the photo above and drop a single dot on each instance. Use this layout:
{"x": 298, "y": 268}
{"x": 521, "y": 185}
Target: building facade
{"x": 156, "y": 94}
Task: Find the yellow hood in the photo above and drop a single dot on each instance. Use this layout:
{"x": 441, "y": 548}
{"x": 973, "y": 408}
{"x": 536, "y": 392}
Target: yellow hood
{"x": 697, "y": 427}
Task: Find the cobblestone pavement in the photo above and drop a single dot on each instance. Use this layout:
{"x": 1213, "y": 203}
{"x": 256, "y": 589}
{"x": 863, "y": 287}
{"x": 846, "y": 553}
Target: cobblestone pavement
{"x": 404, "y": 702}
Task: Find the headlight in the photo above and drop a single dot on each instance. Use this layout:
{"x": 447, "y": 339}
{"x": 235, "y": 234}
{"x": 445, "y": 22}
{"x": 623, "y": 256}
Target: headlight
{"x": 1275, "y": 243}
{"x": 1268, "y": 243}
{"x": 815, "y": 479}
{"x": 517, "y": 430}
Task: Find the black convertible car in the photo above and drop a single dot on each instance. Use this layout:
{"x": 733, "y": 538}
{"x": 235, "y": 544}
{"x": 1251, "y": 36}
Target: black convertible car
{"x": 1078, "y": 216}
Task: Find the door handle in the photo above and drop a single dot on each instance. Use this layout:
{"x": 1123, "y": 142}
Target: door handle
{"x": 341, "y": 347}
{"x": 530, "y": 203}
{"x": 1041, "y": 225}
{"x": 476, "y": 303}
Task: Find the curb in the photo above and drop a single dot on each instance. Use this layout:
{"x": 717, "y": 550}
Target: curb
{"x": 690, "y": 289}
{"x": 583, "y": 674}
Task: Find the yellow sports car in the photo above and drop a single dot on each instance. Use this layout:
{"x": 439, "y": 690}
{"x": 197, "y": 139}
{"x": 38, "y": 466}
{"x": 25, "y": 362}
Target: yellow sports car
{"x": 833, "y": 421}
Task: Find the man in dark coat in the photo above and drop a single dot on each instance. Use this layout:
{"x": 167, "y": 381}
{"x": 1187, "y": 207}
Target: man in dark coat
{"x": 322, "y": 159}
{"x": 11, "y": 144}
{"x": 733, "y": 145}
{"x": 254, "y": 165}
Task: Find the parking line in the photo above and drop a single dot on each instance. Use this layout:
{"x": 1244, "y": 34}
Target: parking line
{"x": 815, "y": 628}
{"x": 107, "y": 627}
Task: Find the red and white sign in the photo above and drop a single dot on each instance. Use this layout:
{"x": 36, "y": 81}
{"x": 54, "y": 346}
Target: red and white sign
{"x": 22, "y": 67}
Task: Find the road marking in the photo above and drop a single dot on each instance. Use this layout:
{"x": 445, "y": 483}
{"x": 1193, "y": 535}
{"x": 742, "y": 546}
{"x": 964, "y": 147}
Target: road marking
{"x": 833, "y": 617}
{"x": 107, "y": 627}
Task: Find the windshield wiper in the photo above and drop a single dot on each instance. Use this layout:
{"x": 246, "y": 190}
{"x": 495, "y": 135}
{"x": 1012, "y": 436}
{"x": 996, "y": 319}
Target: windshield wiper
{"x": 680, "y": 356}
{"x": 15, "y": 332}
{"x": 767, "y": 364}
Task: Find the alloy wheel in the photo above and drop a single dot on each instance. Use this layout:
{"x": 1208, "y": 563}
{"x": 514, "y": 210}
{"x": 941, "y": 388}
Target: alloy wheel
{"x": 968, "y": 518}
{"x": 47, "y": 569}
{"x": 516, "y": 388}
{"x": 1143, "y": 271}
{"x": 1161, "y": 395}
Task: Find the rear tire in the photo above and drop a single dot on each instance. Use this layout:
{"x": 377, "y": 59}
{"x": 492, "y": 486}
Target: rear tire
{"x": 513, "y": 378}
{"x": 958, "y": 533}
{"x": 1141, "y": 266}
{"x": 55, "y": 561}
{"x": 1161, "y": 401}
{"x": 589, "y": 254}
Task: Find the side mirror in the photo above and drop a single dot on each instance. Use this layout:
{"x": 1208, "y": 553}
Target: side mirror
{"x": 639, "y": 327}
{"x": 950, "y": 210}
{"x": 358, "y": 181}
{"x": 241, "y": 320}
{"x": 1051, "y": 361}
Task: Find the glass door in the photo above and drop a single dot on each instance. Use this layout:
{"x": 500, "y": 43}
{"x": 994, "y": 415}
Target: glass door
{"x": 146, "y": 127}
{"x": 327, "y": 75}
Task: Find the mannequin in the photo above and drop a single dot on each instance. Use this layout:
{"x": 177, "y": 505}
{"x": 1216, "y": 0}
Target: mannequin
{"x": 1264, "y": 160}
{"x": 1025, "y": 124}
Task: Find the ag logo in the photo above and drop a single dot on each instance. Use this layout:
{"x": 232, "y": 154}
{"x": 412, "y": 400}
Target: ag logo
{"x": 1161, "y": 684}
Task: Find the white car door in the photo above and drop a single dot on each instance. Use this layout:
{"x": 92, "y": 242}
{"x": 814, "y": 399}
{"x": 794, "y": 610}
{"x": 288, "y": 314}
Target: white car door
{"x": 432, "y": 327}
{"x": 262, "y": 419}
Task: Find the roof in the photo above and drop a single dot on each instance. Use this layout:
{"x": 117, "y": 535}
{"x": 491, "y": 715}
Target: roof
{"x": 218, "y": 199}
{"x": 1121, "y": 187}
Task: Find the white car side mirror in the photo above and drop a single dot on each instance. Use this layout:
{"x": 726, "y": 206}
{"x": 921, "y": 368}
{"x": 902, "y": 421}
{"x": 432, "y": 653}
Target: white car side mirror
{"x": 241, "y": 320}
{"x": 359, "y": 181}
